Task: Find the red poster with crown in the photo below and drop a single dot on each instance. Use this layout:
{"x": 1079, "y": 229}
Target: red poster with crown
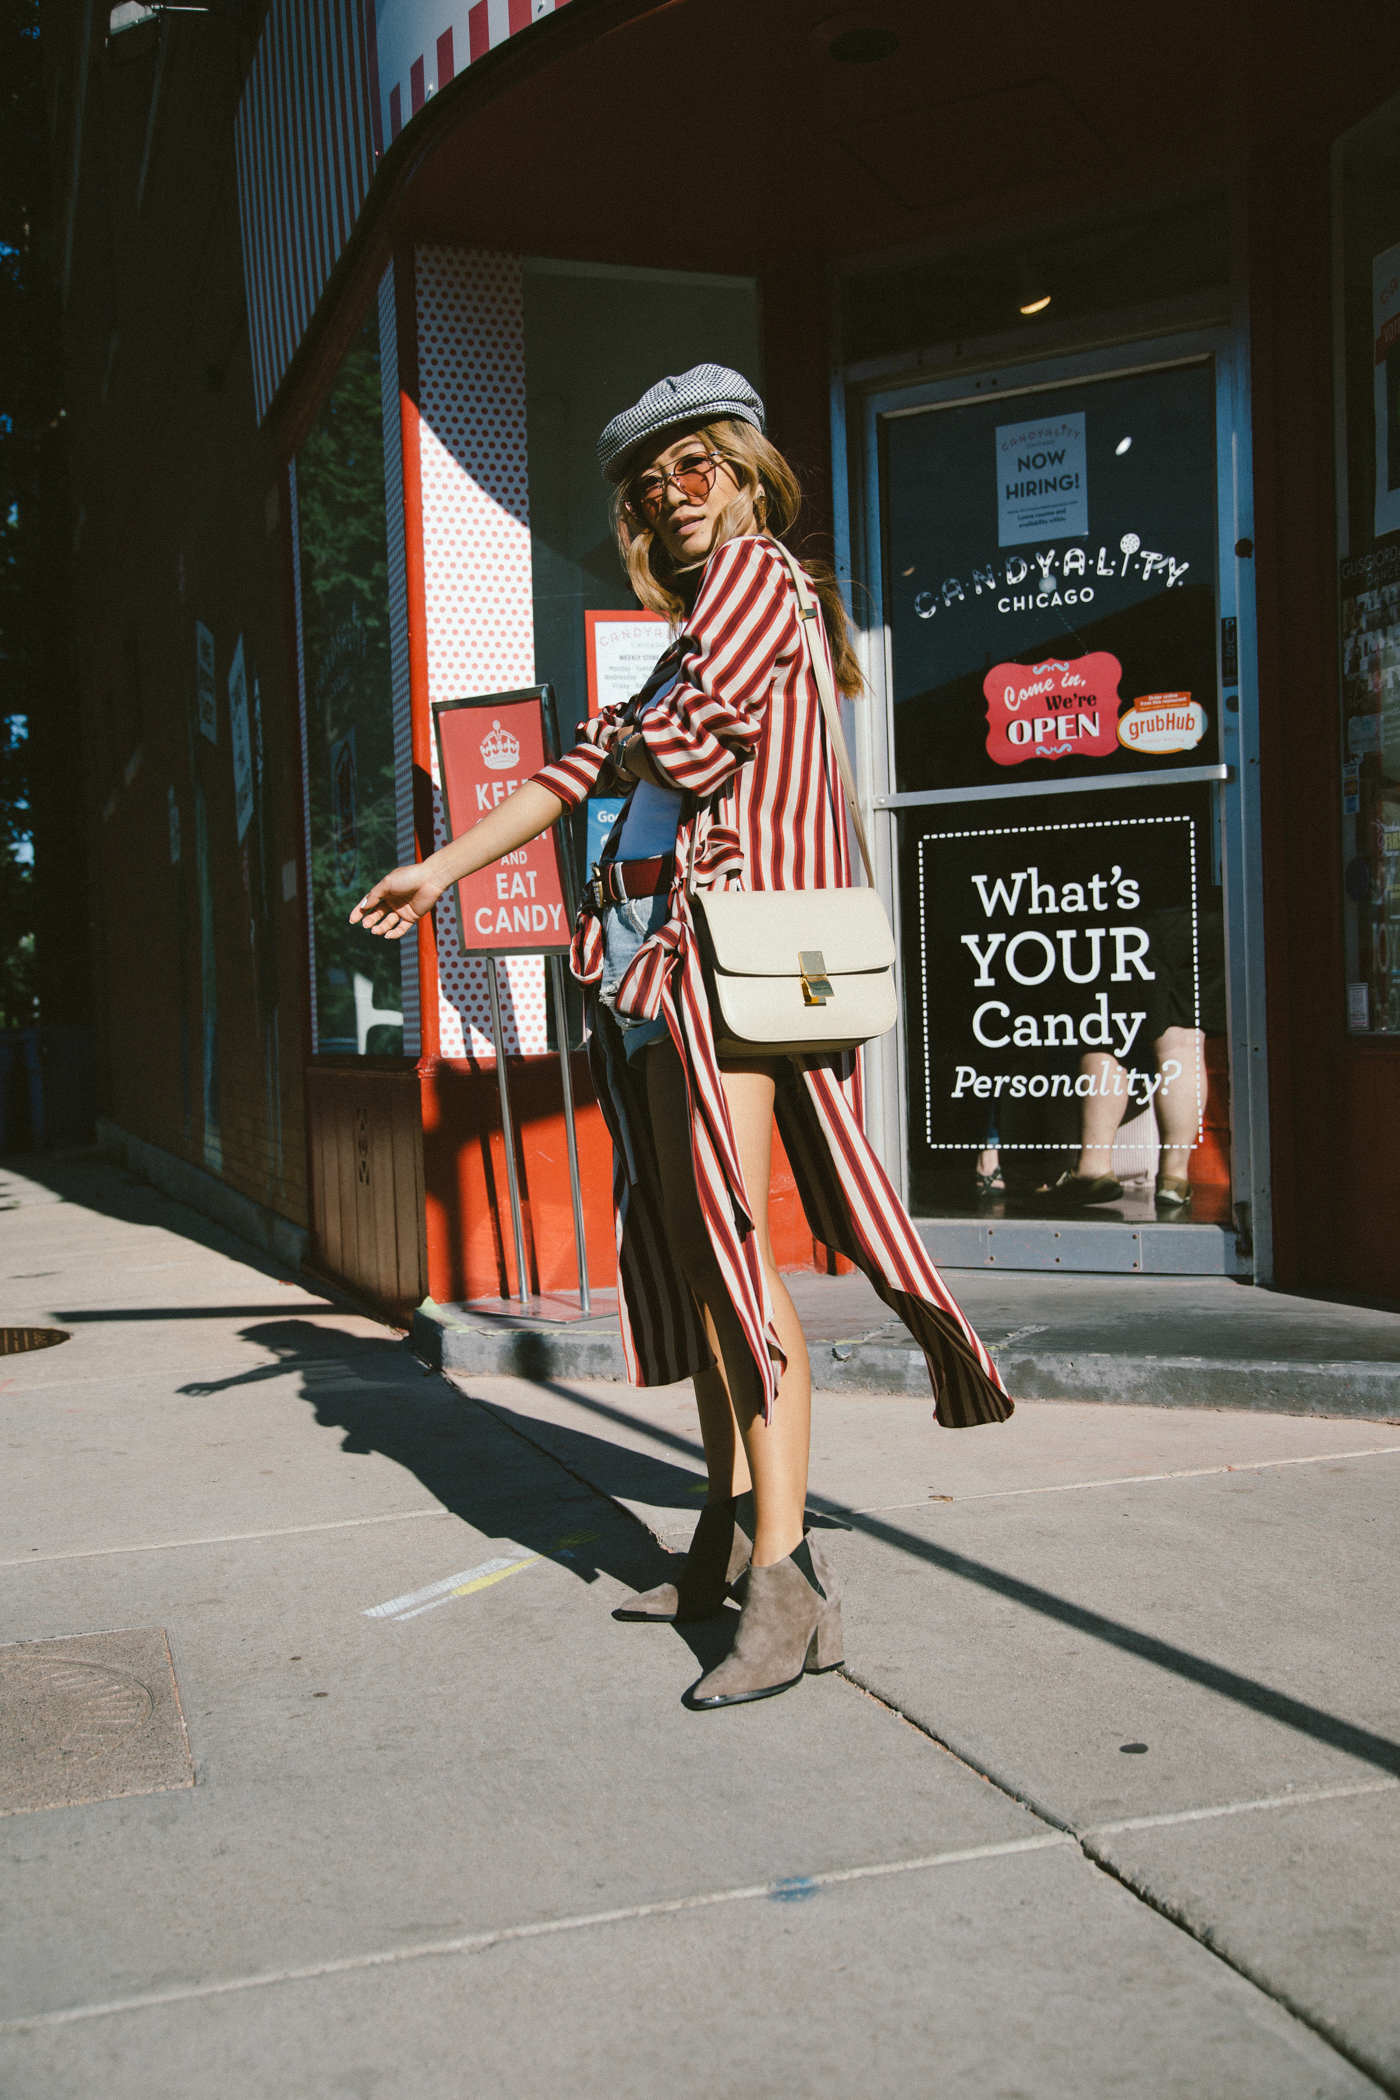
{"x": 488, "y": 747}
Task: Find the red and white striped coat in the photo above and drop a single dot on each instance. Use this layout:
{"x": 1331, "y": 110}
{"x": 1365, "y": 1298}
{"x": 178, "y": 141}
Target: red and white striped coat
{"x": 742, "y": 732}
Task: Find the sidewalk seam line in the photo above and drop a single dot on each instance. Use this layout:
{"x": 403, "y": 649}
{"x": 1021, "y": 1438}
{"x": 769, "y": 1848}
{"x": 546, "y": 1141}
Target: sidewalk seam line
{"x": 1071, "y": 1487}
{"x": 1301, "y": 1799}
{"x": 475, "y": 1942}
{"x": 226, "y": 1538}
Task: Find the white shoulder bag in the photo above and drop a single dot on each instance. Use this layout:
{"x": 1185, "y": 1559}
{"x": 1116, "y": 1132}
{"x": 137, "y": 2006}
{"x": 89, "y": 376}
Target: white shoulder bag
{"x": 793, "y": 973}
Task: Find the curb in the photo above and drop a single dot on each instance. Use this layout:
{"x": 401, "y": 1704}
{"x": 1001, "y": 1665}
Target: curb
{"x": 590, "y": 1349}
{"x": 594, "y": 1350}
{"x": 1343, "y": 1387}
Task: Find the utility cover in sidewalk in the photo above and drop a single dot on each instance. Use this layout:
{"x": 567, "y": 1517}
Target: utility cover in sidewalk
{"x": 89, "y": 1718}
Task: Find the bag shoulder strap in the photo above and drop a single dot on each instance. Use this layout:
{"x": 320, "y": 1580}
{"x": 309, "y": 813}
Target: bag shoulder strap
{"x": 809, "y": 610}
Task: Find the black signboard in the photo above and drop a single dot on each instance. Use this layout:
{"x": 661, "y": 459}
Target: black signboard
{"x": 1051, "y": 582}
{"x": 1059, "y": 951}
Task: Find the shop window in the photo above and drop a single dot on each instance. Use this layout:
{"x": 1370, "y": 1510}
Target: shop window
{"x": 348, "y": 704}
{"x": 1069, "y": 524}
{"x": 1367, "y": 325}
{"x": 596, "y": 336}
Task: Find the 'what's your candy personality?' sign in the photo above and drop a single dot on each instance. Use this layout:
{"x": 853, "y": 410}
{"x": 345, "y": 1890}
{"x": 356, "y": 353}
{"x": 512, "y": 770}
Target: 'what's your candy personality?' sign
{"x": 487, "y": 748}
{"x": 1039, "y": 949}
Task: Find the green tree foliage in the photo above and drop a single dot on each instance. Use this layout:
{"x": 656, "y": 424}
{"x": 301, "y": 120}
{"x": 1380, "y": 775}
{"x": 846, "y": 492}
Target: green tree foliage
{"x": 345, "y": 625}
{"x": 340, "y": 496}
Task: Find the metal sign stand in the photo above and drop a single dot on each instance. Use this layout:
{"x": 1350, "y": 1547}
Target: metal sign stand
{"x": 561, "y": 1023}
{"x": 561, "y": 1029}
{"x": 522, "y": 1274}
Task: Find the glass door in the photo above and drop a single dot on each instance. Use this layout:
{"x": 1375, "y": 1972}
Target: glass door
{"x": 1059, "y": 730}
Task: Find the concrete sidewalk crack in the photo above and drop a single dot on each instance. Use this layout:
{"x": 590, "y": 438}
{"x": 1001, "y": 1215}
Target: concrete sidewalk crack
{"x": 1206, "y": 1936}
{"x": 1088, "y": 1843}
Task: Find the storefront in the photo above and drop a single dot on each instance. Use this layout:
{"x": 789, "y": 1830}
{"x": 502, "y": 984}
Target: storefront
{"x": 1088, "y": 415}
{"x": 1046, "y": 518}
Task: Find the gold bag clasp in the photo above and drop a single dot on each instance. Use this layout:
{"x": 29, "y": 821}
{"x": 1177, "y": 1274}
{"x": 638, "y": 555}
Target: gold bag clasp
{"x": 816, "y": 985}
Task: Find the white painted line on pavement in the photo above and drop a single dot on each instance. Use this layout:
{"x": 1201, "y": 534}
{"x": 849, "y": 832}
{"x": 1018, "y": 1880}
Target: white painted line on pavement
{"x": 1067, "y": 1487}
{"x": 1300, "y": 1797}
{"x": 226, "y": 1538}
{"x": 474, "y": 1942}
{"x": 478, "y": 1578}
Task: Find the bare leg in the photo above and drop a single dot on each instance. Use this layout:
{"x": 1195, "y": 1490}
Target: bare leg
{"x": 776, "y": 1451}
{"x": 1101, "y": 1114}
{"x": 1181, "y": 1098}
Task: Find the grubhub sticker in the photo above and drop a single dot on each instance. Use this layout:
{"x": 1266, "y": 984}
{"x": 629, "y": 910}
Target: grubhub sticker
{"x": 1159, "y": 722}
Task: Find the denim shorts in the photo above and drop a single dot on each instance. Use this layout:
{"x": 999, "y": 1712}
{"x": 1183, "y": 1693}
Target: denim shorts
{"x": 625, "y": 927}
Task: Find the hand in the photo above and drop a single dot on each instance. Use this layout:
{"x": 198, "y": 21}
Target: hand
{"x": 395, "y": 905}
{"x": 397, "y": 902}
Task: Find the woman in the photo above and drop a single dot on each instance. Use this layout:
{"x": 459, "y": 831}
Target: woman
{"x": 727, "y": 760}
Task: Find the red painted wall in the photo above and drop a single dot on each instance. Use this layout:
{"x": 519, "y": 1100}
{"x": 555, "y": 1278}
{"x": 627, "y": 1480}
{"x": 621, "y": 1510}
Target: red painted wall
{"x": 471, "y": 1250}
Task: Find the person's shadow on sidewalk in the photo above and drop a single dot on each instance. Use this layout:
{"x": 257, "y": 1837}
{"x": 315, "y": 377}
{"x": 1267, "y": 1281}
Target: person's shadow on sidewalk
{"x": 485, "y": 1465}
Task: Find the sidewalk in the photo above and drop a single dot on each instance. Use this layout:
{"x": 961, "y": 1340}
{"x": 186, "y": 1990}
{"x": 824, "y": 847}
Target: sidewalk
{"x": 1106, "y": 1799}
{"x": 1179, "y": 1341}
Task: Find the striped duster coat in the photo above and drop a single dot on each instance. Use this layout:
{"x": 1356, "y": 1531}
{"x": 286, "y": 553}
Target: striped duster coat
{"x": 741, "y": 732}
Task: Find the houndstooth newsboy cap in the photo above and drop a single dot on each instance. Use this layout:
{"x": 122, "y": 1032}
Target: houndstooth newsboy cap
{"x": 703, "y": 393}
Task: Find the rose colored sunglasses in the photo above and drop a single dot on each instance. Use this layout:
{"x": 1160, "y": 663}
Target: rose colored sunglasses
{"x": 694, "y": 477}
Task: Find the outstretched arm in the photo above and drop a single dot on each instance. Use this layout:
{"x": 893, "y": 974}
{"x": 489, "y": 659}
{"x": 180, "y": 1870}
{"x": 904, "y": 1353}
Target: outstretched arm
{"x": 399, "y": 900}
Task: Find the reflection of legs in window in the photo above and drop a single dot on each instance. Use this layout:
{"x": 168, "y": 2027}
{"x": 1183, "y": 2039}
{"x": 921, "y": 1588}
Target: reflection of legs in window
{"x": 988, "y": 1168}
{"x": 1181, "y": 1107}
{"x": 1100, "y": 1114}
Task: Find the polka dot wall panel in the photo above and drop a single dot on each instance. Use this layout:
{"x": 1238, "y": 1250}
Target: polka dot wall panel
{"x": 476, "y": 564}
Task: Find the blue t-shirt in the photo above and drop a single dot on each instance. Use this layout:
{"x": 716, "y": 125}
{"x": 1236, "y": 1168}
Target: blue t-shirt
{"x": 654, "y": 812}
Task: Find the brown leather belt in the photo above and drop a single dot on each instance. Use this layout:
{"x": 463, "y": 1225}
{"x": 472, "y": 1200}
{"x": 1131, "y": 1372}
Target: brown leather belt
{"x": 615, "y": 879}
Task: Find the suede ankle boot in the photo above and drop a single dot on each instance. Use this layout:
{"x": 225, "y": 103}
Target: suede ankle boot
{"x": 719, "y": 1554}
{"x": 791, "y": 1622}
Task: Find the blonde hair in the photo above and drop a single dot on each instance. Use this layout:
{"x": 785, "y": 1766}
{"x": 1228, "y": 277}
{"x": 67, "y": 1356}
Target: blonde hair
{"x": 768, "y": 499}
